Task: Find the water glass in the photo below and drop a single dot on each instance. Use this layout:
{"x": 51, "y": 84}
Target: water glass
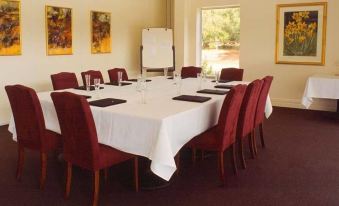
{"x": 178, "y": 83}
{"x": 199, "y": 77}
{"x": 96, "y": 83}
{"x": 142, "y": 87}
{"x": 88, "y": 82}
{"x": 217, "y": 74}
{"x": 119, "y": 78}
{"x": 165, "y": 72}
{"x": 144, "y": 73}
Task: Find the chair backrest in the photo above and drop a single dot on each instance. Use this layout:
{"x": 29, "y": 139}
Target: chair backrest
{"x": 28, "y": 117}
{"x": 248, "y": 107}
{"x": 113, "y": 74}
{"x": 232, "y": 74}
{"x": 64, "y": 80}
{"x": 77, "y": 126}
{"x": 228, "y": 117}
{"x": 94, "y": 75}
{"x": 259, "y": 116}
{"x": 190, "y": 71}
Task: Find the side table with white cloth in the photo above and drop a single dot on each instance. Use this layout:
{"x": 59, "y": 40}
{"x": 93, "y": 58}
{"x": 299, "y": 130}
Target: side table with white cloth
{"x": 156, "y": 130}
{"x": 321, "y": 86}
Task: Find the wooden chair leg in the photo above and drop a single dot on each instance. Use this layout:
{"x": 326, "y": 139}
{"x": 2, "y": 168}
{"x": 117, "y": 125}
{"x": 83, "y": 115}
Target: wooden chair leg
{"x": 250, "y": 144}
{"x": 177, "y": 162}
{"x": 136, "y": 174}
{"x": 21, "y": 158}
{"x": 221, "y": 168}
{"x": 261, "y": 129}
{"x": 106, "y": 174}
{"x": 43, "y": 157}
{"x": 96, "y": 187}
{"x": 254, "y": 139}
{"x": 68, "y": 179}
{"x": 194, "y": 152}
{"x": 241, "y": 152}
{"x": 234, "y": 160}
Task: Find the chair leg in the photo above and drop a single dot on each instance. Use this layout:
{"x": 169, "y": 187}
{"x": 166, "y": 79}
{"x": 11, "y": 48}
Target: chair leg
{"x": 68, "y": 179}
{"x": 250, "y": 144}
{"x": 136, "y": 174}
{"x": 177, "y": 162}
{"x": 261, "y": 129}
{"x": 194, "y": 152}
{"x": 96, "y": 187}
{"x": 234, "y": 160}
{"x": 241, "y": 152}
{"x": 21, "y": 158}
{"x": 221, "y": 168}
{"x": 254, "y": 139}
{"x": 43, "y": 157}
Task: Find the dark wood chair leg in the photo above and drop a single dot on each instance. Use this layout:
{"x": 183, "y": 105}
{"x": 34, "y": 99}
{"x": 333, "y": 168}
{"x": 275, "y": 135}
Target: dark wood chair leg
{"x": 21, "y": 158}
{"x": 250, "y": 144}
{"x": 221, "y": 168}
{"x": 241, "y": 152}
{"x": 177, "y": 162}
{"x": 194, "y": 153}
{"x": 234, "y": 160}
{"x": 261, "y": 129}
{"x": 68, "y": 179}
{"x": 136, "y": 174}
{"x": 43, "y": 157}
{"x": 106, "y": 174}
{"x": 254, "y": 139}
{"x": 96, "y": 187}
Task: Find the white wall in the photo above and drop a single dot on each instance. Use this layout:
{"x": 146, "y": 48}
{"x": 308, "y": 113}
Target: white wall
{"x": 258, "y": 27}
{"x": 33, "y": 68}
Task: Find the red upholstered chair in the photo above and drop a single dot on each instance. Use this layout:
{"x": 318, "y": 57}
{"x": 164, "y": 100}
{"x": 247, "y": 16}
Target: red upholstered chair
{"x": 94, "y": 75}
{"x": 64, "y": 80}
{"x": 260, "y": 111}
{"x": 223, "y": 135}
{"x": 190, "y": 71}
{"x": 80, "y": 139}
{"x": 246, "y": 117}
{"x": 113, "y": 74}
{"x": 231, "y": 74}
{"x": 30, "y": 127}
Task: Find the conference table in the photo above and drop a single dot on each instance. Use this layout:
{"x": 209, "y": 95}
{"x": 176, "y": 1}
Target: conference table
{"x": 156, "y": 129}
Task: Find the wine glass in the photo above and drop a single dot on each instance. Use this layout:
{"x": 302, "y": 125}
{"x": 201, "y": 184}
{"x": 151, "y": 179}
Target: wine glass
{"x": 88, "y": 82}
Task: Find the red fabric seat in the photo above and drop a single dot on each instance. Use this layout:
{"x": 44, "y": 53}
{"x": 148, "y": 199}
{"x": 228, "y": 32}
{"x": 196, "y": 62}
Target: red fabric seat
{"x": 64, "y": 80}
{"x": 246, "y": 117}
{"x": 30, "y": 127}
{"x": 231, "y": 74}
{"x": 190, "y": 71}
{"x": 80, "y": 139}
{"x": 260, "y": 110}
{"x": 113, "y": 74}
{"x": 94, "y": 75}
{"x": 222, "y": 136}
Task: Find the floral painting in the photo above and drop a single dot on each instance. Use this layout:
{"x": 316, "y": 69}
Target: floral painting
{"x": 301, "y": 33}
{"x": 59, "y": 30}
{"x": 10, "y": 40}
{"x": 101, "y": 32}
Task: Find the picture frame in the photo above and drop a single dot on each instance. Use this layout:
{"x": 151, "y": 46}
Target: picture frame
{"x": 100, "y": 32}
{"x": 301, "y": 33}
{"x": 59, "y": 30}
{"x": 10, "y": 28}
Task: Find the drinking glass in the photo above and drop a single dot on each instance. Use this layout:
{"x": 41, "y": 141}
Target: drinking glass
{"x": 144, "y": 73}
{"x": 165, "y": 72}
{"x": 88, "y": 82}
{"x": 178, "y": 82}
{"x": 96, "y": 84}
{"x": 217, "y": 74}
{"x": 199, "y": 77}
{"x": 119, "y": 78}
{"x": 142, "y": 87}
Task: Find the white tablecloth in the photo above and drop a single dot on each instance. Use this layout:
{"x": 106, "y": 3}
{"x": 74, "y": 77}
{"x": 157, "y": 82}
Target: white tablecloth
{"x": 320, "y": 86}
{"x": 156, "y": 130}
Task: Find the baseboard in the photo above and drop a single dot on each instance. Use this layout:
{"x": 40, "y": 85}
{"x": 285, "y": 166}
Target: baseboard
{"x": 318, "y": 104}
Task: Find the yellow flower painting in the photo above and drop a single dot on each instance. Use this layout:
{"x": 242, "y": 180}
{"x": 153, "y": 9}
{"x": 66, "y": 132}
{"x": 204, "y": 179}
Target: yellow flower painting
{"x": 101, "y": 32}
{"x": 10, "y": 40}
{"x": 300, "y": 35}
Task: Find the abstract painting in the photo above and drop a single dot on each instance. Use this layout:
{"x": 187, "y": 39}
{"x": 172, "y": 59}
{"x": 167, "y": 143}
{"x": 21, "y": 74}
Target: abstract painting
{"x": 101, "y": 32}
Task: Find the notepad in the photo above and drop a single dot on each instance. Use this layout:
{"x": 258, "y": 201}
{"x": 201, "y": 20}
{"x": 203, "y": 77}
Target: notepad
{"x": 224, "y": 86}
{"x": 213, "y": 91}
{"x": 107, "y": 102}
{"x": 191, "y": 98}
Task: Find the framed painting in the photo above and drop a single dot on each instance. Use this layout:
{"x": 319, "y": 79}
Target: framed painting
{"x": 100, "y": 32}
{"x": 58, "y": 30}
{"x": 10, "y": 29}
{"x": 301, "y": 33}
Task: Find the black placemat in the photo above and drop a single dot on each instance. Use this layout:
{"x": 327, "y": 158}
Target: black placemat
{"x": 212, "y": 91}
{"x": 135, "y": 80}
{"x": 191, "y": 98}
{"x": 224, "y": 86}
{"x": 223, "y": 81}
{"x": 170, "y": 78}
{"x": 116, "y": 83}
{"x": 107, "y": 102}
{"x": 84, "y": 88}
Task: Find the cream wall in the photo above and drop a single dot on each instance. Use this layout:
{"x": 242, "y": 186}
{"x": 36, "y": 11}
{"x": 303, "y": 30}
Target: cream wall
{"x": 33, "y": 67}
{"x": 258, "y": 47}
